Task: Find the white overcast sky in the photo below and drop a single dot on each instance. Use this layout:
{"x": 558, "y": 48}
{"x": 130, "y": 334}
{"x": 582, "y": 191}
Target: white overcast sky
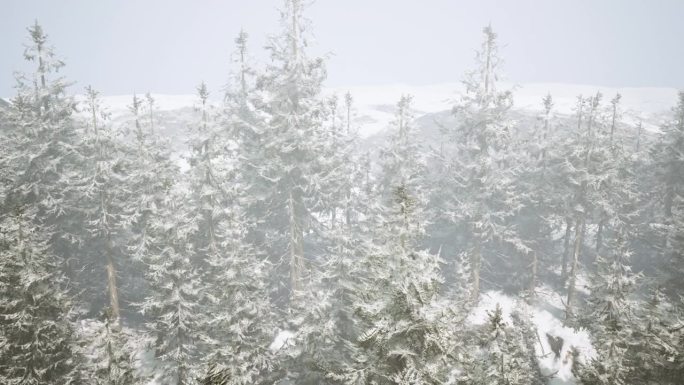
{"x": 169, "y": 46}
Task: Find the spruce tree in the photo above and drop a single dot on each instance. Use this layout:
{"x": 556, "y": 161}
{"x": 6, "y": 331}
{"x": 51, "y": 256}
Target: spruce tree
{"x": 37, "y": 340}
{"x": 110, "y": 350}
{"x": 668, "y": 155}
{"x": 481, "y": 164}
{"x": 502, "y": 355}
{"x": 402, "y": 339}
{"x": 104, "y": 185}
{"x": 43, "y": 138}
{"x": 610, "y": 318}
{"x": 237, "y": 305}
{"x": 173, "y": 306}
{"x": 291, "y": 171}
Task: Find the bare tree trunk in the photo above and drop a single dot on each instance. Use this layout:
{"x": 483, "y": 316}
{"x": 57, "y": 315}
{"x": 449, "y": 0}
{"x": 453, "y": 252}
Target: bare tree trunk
{"x": 111, "y": 283}
{"x": 566, "y": 248}
{"x": 579, "y": 233}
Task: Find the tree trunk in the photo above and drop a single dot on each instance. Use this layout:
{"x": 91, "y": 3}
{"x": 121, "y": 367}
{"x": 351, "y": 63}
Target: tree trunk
{"x": 111, "y": 283}
{"x": 566, "y": 248}
{"x": 579, "y": 233}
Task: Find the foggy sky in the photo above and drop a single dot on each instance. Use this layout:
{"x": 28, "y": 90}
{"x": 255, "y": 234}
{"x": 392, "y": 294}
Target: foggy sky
{"x": 169, "y": 46}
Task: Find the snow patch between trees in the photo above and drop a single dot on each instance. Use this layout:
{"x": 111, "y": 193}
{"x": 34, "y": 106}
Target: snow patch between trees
{"x": 283, "y": 339}
{"x": 545, "y": 321}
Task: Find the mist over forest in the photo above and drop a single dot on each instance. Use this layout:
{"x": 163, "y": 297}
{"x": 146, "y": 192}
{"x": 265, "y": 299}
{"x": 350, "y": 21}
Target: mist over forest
{"x": 280, "y": 231}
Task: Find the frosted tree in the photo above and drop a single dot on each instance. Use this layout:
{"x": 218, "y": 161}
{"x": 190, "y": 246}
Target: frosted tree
{"x": 151, "y": 173}
{"x": 338, "y": 159}
{"x": 480, "y": 166}
{"x": 539, "y": 193}
{"x": 208, "y": 177}
{"x": 402, "y": 339}
{"x": 238, "y": 331}
{"x": 173, "y": 306}
{"x": 503, "y": 356}
{"x": 245, "y": 127}
{"x": 37, "y": 341}
{"x": 668, "y": 156}
{"x": 160, "y": 242}
{"x": 291, "y": 171}
{"x": 610, "y": 318}
{"x": 582, "y": 183}
{"x": 325, "y": 338}
{"x": 43, "y": 138}
{"x": 104, "y": 186}
{"x": 403, "y": 168}
{"x": 656, "y": 352}
{"x": 615, "y": 186}
{"x": 110, "y": 351}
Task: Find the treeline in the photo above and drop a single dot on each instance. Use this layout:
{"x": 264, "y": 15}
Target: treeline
{"x": 117, "y": 267}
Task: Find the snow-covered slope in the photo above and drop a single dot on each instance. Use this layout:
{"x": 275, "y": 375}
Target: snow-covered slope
{"x": 374, "y": 105}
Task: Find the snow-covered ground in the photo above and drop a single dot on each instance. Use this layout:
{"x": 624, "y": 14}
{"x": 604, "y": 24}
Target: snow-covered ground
{"x": 546, "y": 316}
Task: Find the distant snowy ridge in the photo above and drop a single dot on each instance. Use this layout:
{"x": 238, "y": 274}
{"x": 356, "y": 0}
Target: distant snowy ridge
{"x": 374, "y": 105}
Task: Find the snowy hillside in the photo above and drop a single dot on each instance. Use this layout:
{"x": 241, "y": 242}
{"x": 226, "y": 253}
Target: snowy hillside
{"x": 375, "y": 105}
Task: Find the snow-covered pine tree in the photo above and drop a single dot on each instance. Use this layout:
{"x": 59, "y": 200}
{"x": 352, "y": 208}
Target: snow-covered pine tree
{"x": 656, "y": 352}
{"x": 482, "y": 168}
{"x": 159, "y": 240}
{"x": 501, "y": 354}
{"x": 104, "y": 185}
{"x": 402, "y": 339}
{"x": 151, "y": 173}
{"x": 173, "y": 306}
{"x": 43, "y": 137}
{"x": 401, "y": 179}
{"x": 668, "y": 156}
{"x": 610, "y": 317}
{"x": 338, "y": 160}
{"x": 245, "y": 126}
{"x": 37, "y": 340}
{"x": 538, "y": 191}
{"x": 292, "y": 169}
{"x": 582, "y": 182}
{"x": 208, "y": 175}
{"x": 237, "y": 306}
{"x": 110, "y": 349}
{"x": 298, "y": 176}
{"x": 614, "y": 185}
{"x": 326, "y": 339}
